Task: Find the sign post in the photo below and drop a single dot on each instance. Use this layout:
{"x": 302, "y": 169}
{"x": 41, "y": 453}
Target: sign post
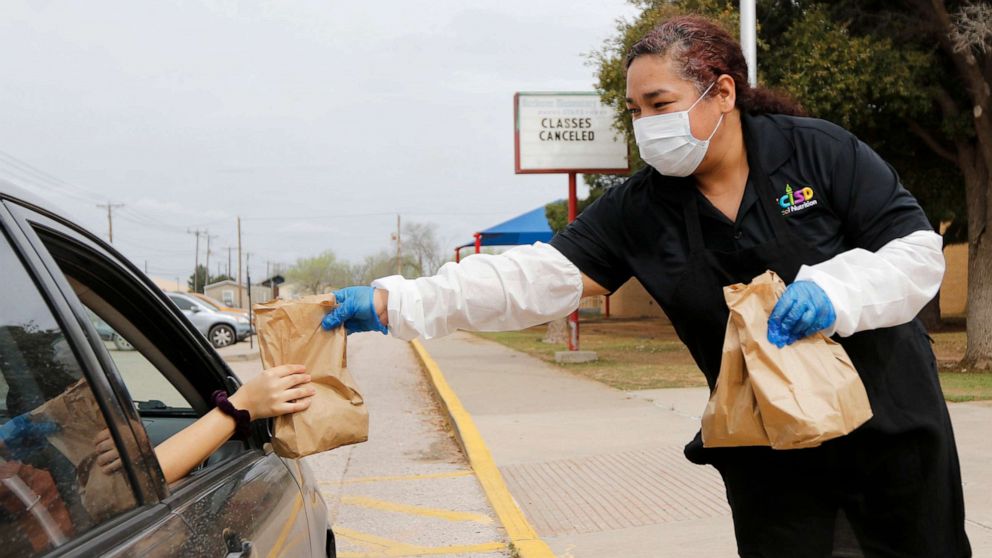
{"x": 567, "y": 133}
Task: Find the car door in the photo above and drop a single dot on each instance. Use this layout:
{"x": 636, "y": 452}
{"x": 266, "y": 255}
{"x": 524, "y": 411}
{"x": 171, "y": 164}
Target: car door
{"x": 244, "y": 500}
{"x": 55, "y": 402}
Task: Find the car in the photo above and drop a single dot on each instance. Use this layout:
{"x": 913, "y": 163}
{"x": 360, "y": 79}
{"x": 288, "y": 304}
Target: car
{"x": 213, "y": 302}
{"x": 217, "y": 305}
{"x": 107, "y": 333}
{"x": 63, "y": 390}
{"x": 220, "y": 328}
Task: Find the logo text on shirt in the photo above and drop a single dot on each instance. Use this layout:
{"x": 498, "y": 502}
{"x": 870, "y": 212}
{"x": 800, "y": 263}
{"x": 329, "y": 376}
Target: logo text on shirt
{"x": 796, "y": 200}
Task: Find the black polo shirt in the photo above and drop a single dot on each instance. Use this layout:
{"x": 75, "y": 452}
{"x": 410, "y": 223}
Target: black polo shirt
{"x": 835, "y": 192}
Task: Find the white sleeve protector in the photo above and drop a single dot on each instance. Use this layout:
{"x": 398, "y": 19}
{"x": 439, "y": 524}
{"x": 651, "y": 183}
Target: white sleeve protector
{"x": 871, "y": 290}
{"x": 523, "y": 287}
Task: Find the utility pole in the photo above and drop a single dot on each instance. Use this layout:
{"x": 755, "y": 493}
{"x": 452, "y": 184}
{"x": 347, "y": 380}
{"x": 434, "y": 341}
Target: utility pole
{"x": 268, "y": 277}
{"x": 146, "y": 267}
{"x": 251, "y": 341}
{"x": 749, "y": 42}
{"x": 240, "y": 302}
{"x": 196, "y": 266}
{"x": 228, "y": 261}
{"x": 110, "y": 218}
{"x": 206, "y": 273}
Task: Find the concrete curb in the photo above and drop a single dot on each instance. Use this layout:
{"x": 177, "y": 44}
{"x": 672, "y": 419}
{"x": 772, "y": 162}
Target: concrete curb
{"x": 522, "y": 535}
{"x": 241, "y": 357}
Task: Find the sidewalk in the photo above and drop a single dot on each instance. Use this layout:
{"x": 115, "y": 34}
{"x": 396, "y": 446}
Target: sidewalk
{"x": 600, "y": 472}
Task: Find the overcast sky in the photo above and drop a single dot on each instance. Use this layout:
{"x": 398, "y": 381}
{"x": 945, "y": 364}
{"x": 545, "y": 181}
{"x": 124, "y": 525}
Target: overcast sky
{"x": 325, "y": 117}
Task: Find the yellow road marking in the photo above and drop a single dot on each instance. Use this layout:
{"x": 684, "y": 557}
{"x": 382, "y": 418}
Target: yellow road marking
{"x": 520, "y": 531}
{"x": 369, "y": 538}
{"x": 384, "y": 505}
{"x": 452, "y": 474}
{"x": 287, "y": 527}
{"x": 427, "y": 551}
{"x": 393, "y": 548}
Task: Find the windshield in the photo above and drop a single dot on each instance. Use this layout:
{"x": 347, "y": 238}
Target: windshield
{"x": 208, "y": 302}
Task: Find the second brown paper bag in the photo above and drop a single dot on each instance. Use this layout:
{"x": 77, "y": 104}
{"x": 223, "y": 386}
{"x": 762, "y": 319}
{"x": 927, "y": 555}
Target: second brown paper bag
{"x": 289, "y": 332}
{"x": 795, "y": 397}
{"x": 104, "y": 495}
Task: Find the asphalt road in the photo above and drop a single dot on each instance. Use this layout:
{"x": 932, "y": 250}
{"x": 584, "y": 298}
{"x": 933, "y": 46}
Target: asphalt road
{"x": 408, "y": 491}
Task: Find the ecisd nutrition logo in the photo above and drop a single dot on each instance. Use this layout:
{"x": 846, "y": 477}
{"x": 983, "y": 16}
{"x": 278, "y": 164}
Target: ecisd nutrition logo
{"x": 796, "y": 200}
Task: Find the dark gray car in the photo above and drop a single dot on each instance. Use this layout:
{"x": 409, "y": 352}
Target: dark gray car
{"x": 63, "y": 389}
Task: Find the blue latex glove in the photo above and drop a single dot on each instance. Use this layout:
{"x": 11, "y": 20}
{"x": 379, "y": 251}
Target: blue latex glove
{"x": 356, "y": 310}
{"x": 803, "y": 310}
{"x": 23, "y": 437}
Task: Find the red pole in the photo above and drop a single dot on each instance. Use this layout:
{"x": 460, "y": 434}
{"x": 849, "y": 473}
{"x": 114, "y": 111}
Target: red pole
{"x": 478, "y": 243}
{"x": 573, "y": 319}
{"x": 458, "y": 254}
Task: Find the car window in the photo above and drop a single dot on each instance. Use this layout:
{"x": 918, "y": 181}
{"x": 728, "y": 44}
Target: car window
{"x": 149, "y": 388}
{"x": 207, "y": 304}
{"x": 182, "y": 302}
{"x": 58, "y": 474}
{"x": 159, "y": 370}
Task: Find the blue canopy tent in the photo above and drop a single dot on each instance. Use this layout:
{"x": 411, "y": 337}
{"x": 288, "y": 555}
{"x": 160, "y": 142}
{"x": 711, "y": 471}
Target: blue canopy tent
{"x": 527, "y": 228}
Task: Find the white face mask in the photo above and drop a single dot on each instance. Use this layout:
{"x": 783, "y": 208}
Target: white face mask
{"x": 667, "y": 144}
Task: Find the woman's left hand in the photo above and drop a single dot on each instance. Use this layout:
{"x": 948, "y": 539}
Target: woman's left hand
{"x": 107, "y": 457}
{"x": 276, "y": 391}
{"x": 803, "y": 310}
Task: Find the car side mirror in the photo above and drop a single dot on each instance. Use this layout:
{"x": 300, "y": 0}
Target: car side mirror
{"x": 195, "y": 310}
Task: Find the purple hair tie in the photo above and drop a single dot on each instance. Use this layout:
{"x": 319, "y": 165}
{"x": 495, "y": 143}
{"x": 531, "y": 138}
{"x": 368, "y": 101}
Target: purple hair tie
{"x": 242, "y": 418}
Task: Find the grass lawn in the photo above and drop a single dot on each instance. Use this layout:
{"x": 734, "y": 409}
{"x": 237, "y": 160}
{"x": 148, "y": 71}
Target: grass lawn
{"x": 646, "y": 354}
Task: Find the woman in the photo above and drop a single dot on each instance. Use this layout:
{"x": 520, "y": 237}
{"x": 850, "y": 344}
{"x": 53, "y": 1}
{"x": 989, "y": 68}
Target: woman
{"x": 763, "y": 189}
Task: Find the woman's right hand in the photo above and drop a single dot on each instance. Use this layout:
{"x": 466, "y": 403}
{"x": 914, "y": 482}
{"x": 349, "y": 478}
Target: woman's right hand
{"x": 276, "y": 391}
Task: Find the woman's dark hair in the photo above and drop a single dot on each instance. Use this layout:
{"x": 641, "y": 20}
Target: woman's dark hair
{"x": 703, "y": 51}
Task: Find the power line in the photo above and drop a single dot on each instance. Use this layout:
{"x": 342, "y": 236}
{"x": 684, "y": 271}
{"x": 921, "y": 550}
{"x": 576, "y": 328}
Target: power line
{"x": 382, "y": 214}
{"x": 45, "y": 176}
{"x": 25, "y": 171}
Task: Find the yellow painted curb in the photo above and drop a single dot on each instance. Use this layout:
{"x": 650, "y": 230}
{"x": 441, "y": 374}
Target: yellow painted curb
{"x": 521, "y": 533}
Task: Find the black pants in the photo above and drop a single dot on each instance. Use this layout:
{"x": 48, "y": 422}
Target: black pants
{"x": 901, "y": 495}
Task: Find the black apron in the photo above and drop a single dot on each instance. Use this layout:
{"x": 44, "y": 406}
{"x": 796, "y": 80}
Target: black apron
{"x": 896, "y": 478}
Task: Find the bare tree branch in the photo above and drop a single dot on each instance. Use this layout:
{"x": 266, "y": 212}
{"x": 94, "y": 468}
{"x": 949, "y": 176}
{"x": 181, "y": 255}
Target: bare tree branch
{"x": 947, "y": 103}
{"x": 972, "y": 28}
{"x": 931, "y": 142}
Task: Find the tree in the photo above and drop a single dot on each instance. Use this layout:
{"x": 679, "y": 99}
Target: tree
{"x": 202, "y": 279}
{"x": 422, "y": 248}
{"x": 908, "y": 77}
{"x": 557, "y": 212}
{"x": 383, "y": 264}
{"x": 320, "y": 273}
{"x": 197, "y": 281}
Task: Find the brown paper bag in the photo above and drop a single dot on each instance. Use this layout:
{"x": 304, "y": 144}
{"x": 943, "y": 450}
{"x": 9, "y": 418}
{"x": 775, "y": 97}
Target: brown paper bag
{"x": 732, "y": 417}
{"x": 289, "y": 332}
{"x": 80, "y": 420}
{"x": 805, "y": 393}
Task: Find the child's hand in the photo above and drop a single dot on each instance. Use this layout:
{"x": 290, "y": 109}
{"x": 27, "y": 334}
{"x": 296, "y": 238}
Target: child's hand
{"x": 276, "y": 391}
